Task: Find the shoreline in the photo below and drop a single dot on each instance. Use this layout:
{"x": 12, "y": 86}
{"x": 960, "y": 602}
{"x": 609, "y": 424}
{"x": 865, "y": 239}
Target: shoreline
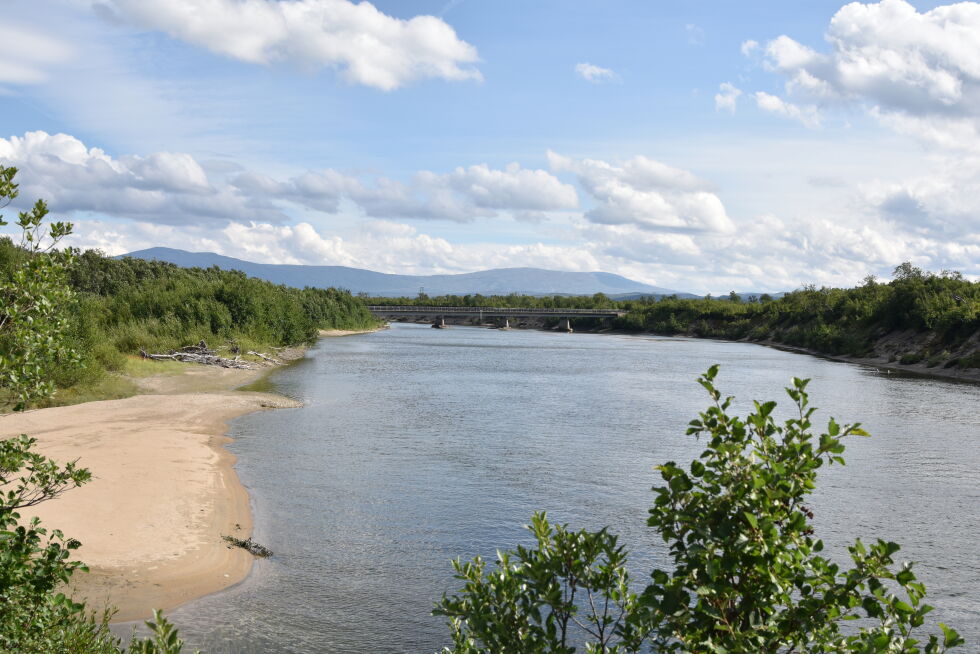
{"x": 333, "y": 333}
{"x": 966, "y": 375}
{"x": 164, "y": 489}
{"x": 881, "y": 363}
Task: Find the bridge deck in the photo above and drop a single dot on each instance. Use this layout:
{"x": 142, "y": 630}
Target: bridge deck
{"x": 495, "y": 311}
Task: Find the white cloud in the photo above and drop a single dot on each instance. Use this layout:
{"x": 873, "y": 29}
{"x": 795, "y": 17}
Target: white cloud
{"x": 917, "y": 71}
{"x": 595, "y": 74}
{"x": 174, "y": 188}
{"x": 647, "y": 193}
{"x": 368, "y": 46}
{"x": 461, "y": 195}
{"x": 643, "y": 218}
{"x": 727, "y": 97}
{"x": 163, "y": 187}
{"x": 809, "y": 116}
{"x": 943, "y": 203}
{"x": 26, "y": 54}
{"x": 748, "y": 47}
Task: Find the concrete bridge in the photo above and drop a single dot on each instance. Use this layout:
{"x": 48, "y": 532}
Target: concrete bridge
{"x": 439, "y": 314}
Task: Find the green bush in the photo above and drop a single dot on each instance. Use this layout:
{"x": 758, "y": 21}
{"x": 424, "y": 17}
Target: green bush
{"x": 748, "y": 574}
{"x": 911, "y": 357}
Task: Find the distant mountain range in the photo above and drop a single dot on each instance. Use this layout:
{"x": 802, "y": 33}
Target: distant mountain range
{"x": 529, "y": 281}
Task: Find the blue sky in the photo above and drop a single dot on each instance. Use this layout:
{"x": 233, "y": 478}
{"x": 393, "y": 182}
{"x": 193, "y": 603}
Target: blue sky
{"x": 702, "y": 146}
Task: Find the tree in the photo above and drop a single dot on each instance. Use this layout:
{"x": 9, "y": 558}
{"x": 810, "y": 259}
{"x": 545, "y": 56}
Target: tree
{"x": 906, "y": 271}
{"x": 34, "y": 318}
{"x": 35, "y": 617}
{"x": 748, "y": 575}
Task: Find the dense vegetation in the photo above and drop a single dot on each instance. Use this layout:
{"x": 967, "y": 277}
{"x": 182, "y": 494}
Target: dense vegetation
{"x": 918, "y": 316}
{"x": 122, "y": 305}
{"x": 746, "y": 573}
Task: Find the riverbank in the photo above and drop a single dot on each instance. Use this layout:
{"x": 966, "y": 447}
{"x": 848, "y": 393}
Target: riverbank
{"x": 882, "y": 363}
{"x": 330, "y": 333}
{"x": 163, "y": 491}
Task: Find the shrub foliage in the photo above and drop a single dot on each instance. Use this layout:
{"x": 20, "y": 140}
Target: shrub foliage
{"x": 748, "y": 574}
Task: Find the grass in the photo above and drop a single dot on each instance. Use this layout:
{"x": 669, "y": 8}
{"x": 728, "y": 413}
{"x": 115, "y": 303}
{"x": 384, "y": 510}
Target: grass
{"x": 137, "y": 367}
{"x": 107, "y": 386}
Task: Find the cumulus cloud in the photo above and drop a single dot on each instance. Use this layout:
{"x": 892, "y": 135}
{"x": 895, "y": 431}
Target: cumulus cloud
{"x": 917, "y": 71}
{"x": 368, "y": 46}
{"x": 642, "y": 218}
{"x": 727, "y": 97}
{"x": 809, "y": 116}
{"x": 174, "y": 188}
{"x": 648, "y": 194}
{"x": 595, "y": 74}
{"x": 461, "y": 195}
{"x": 944, "y": 202}
{"x": 163, "y": 187}
{"x": 26, "y": 54}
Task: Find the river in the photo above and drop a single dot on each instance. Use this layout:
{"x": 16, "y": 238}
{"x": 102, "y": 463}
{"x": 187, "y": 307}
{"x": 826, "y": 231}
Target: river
{"x": 418, "y": 445}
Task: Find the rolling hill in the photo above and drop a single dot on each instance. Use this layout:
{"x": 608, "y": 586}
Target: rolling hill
{"x": 530, "y": 281}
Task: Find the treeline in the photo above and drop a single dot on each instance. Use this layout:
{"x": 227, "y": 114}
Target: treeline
{"x": 917, "y": 317}
{"x": 122, "y": 305}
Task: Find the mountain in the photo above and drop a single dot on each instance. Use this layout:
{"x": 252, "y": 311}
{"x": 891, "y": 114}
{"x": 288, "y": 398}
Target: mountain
{"x": 530, "y": 281}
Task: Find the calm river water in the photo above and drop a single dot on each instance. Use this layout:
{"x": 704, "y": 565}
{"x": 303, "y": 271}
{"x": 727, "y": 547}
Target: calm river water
{"x": 419, "y": 445}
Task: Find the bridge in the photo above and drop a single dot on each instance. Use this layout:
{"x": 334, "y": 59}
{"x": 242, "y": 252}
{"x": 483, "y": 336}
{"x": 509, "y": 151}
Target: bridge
{"x": 439, "y": 314}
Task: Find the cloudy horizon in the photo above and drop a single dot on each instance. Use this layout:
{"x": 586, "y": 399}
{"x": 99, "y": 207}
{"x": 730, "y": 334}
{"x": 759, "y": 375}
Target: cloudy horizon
{"x": 755, "y": 148}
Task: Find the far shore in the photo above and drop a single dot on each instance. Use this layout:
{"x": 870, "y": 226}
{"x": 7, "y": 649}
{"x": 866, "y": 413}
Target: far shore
{"x": 881, "y": 363}
{"x": 164, "y": 490}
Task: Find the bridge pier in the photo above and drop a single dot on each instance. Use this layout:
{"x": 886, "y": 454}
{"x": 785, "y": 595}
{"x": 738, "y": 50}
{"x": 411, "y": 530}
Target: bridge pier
{"x": 506, "y": 323}
{"x": 440, "y": 323}
{"x": 565, "y": 325}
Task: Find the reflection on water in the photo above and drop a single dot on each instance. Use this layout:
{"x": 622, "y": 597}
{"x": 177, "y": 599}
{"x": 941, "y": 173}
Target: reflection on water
{"x": 418, "y": 445}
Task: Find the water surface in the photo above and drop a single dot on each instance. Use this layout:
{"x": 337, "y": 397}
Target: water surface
{"x": 419, "y": 445}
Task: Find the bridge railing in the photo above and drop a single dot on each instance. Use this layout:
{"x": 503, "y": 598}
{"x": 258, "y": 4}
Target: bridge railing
{"x": 557, "y": 311}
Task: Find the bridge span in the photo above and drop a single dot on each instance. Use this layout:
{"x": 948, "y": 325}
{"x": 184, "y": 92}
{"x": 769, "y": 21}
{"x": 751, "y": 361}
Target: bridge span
{"x": 439, "y": 314}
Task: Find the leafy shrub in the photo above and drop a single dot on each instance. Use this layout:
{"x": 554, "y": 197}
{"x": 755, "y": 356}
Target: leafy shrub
{"x": 748, "y": 573}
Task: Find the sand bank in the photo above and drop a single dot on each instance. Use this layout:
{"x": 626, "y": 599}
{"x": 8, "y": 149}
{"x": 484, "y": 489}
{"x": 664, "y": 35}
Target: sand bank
{"x": 163, "y": 491}
{"x": 327, "y": 333}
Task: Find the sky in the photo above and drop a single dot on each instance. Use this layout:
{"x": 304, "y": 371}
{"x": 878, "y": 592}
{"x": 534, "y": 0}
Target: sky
{"x": 697, "y": 145}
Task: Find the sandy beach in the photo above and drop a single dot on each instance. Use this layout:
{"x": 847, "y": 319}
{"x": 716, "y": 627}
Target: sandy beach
{"x": 163, "y": 491}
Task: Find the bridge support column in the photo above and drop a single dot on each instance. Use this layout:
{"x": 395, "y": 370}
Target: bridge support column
{"x": 440, "y": 323}
{"x": 506, "y": 323}
{"x": 565, "y": 325}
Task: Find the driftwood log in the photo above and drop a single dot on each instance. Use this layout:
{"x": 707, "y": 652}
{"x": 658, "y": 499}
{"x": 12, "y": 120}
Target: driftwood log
{"x": 265, "y": 356}
{"x": 199, "y": 353}
{"x": 249, "y": 545}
